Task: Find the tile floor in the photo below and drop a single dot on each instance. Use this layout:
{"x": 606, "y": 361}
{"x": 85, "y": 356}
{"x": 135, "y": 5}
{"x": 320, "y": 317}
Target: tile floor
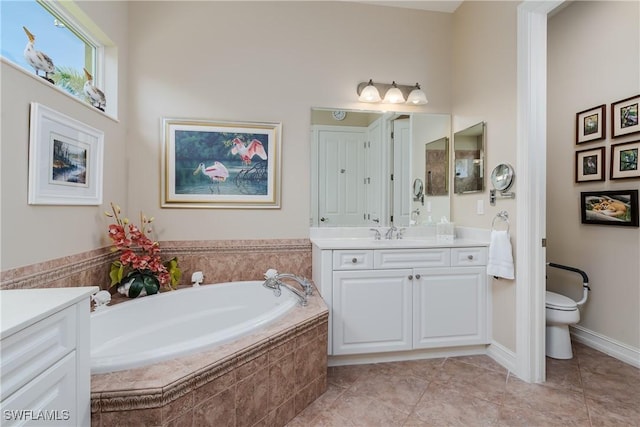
{"x": 592, "y": 389}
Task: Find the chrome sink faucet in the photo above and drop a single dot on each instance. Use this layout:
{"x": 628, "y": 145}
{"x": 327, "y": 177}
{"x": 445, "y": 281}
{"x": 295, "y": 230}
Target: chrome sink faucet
{"x": 389, "y": 234}
{"x": 376, "y": 236}
{"x": 273, "y": 281}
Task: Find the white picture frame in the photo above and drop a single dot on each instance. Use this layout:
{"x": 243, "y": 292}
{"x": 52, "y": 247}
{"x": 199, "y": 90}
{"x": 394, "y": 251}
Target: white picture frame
{"x": 65, "y": 159}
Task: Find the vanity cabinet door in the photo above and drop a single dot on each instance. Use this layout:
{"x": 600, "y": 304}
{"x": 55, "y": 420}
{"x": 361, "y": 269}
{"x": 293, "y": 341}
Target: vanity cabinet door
{"x": 371, "y": 311}
{"x": 449, "y": 307}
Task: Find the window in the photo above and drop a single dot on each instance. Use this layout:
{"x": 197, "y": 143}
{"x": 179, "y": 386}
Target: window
{"x": 70, "y": 50}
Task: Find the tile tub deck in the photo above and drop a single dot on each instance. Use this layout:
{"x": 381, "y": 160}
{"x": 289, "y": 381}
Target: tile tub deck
{"x": 265, "y": 378}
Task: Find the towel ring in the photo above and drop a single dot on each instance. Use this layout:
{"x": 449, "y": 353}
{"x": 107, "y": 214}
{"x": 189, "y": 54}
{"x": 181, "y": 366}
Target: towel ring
{"x": 502, "y": 215}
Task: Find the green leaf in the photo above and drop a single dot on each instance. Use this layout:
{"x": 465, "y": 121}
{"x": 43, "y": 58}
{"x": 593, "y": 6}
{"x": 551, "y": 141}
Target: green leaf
{"x": 174, "y": 271}
{"x": 150, "y": 284}
{"x": 116, "y": 273}
{"x": 136, "y": 287}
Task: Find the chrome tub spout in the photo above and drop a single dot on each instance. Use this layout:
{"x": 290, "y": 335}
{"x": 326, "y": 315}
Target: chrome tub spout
{"x": 273, "y": 280}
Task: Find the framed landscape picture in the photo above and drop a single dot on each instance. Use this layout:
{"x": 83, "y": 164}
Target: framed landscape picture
{"x": 216, "y": 164}
{"x": 610, "y": 207}
{"x": 65, "y": 159}
{"x": 590, "y": 124}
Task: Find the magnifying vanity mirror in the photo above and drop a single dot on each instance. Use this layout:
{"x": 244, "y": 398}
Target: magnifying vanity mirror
{"x": 501, "y": 180}
{"x": 418, "y": 190}
{"x": 367, "y": 168}
{"x": 468, "y": 146}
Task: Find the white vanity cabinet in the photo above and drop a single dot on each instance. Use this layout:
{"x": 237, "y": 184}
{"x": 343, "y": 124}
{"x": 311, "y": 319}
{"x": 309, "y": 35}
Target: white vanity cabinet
{"x": 44, "y": 358}
{"x": 385, "y": 300}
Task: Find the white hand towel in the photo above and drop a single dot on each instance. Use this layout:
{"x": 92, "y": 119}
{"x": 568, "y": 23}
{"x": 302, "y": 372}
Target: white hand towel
{"x": 500, "y": 257}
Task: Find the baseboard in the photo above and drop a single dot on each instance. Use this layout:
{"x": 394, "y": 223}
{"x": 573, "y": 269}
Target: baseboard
{"x": 502, "y": 355}
{"x": 606, "y": 345}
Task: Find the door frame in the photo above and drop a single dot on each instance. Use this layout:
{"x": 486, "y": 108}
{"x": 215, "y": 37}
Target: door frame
{"x": 531, "y": 186}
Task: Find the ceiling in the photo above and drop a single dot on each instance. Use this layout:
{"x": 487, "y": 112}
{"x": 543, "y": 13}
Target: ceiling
{"x": 432, "y": 5}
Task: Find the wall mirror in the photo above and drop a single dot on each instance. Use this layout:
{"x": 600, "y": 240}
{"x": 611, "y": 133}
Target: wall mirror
{"x": 468, "y": 148}
{"x": 437, "y": 167}
{"x": 364, "y": 165}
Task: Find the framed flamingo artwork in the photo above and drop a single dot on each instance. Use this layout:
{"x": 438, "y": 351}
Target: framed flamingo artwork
{"x": 218, "y": 164}
{"x": 65, "y": 159}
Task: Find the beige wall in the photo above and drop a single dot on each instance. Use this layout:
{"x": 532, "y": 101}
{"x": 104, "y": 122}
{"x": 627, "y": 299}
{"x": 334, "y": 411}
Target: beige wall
{"x": 594, "y": 57}
{"x": 484, "y": 89}
{"x": 32, "y": 234}
{"x": 266, "y": 61}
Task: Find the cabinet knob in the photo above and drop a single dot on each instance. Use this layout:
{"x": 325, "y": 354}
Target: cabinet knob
{"x": 469, "y": 256}
{"x": 418, "y": 276}
{"x": 410, "y": 277}
{"x": 354, "y": 260}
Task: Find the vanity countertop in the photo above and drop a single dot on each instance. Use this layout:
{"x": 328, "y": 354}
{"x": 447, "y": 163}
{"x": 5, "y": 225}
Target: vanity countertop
{"x": 405, "y": 243}
{"x": 23, "y": 307}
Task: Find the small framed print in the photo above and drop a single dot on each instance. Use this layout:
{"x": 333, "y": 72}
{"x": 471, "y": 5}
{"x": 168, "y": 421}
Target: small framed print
{"x": 624, "y": 117}
{"x": 624, "y": 160}
{"x": 590, "y": 124}
{"x": 590, "y": 165}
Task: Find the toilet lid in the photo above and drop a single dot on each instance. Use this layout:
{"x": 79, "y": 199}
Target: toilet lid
{"x": 560, "y": 302}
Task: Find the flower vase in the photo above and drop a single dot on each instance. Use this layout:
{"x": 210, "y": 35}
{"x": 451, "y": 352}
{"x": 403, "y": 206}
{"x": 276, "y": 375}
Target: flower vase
{"x": 138, "y": 284}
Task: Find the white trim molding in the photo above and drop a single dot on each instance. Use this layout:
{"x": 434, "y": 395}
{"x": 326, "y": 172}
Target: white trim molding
{"x": 613, "y": 348}
{"x": 531, "y": 187}
{"x": 502, "y": 355}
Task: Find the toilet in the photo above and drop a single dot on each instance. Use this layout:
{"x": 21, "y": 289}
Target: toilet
{"x": 562, "y": 311}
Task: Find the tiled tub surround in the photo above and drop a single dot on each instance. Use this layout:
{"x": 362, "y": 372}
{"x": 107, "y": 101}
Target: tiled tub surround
{"x": 265, "y": 378}
{"x": 220, "y": 261}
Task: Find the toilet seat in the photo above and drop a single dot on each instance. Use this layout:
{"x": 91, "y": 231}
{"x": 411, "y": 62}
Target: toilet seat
{"x": 559, "y": 302}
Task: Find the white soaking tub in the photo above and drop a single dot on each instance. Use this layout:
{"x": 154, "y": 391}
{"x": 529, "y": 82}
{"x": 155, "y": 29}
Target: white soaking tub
{"x": 160, "y": 327}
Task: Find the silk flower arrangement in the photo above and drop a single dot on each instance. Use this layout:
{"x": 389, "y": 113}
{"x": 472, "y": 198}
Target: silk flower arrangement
{"x": 139, "y": 270}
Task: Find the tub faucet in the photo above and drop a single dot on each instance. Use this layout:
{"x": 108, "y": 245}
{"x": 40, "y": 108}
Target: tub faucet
{"x": 274, "y": 281}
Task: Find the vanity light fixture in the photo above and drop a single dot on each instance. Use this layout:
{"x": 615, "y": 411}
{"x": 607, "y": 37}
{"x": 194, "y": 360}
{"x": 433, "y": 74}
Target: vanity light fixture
{"x": 417, "y": 96}
{"x": 368, "y": 92}
{"x": 394, "y": 93}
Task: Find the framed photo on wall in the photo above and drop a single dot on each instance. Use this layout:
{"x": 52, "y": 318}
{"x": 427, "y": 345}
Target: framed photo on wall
{"x": 590, "y": 165}
{"x": 65, "y": 159}
{"x": 610, "y": 207}
{"x": 591, "y": 124}
{"x": 624, "y": 117}
{"x": 216, "y": 164}
{"x": 624, "y": 160}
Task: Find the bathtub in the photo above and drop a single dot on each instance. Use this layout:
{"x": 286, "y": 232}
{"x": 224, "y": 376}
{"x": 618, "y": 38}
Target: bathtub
{"x": 160, "y": 327}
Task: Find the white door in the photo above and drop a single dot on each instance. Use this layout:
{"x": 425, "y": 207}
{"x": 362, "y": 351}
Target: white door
{"x": 401, "y": 173}
{"x": 371, "y": 311}
{"x": 341, "y": 177}
{"x": 449, "y": 307}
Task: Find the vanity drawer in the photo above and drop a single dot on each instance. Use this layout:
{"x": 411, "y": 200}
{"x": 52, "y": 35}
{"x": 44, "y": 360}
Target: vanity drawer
{"x": 30, "y": 351}
{"x": 412, "y": 258}
{"x": 353, "y": 259}
{"x": 468, "y": 257}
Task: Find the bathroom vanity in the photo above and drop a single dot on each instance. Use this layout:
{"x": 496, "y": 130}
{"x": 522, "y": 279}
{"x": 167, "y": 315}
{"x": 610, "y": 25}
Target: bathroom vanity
{"x": 45, "y": 356}
{"x": 401, "y": 295}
